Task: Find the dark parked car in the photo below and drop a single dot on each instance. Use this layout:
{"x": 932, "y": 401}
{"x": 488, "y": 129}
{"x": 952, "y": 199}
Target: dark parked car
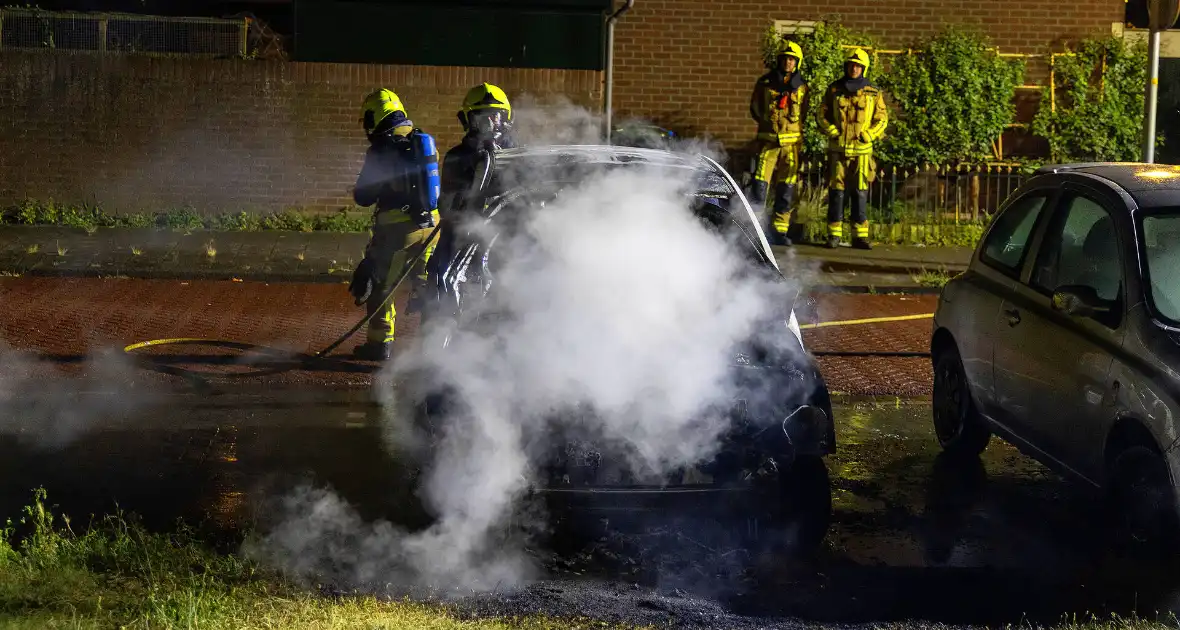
{"x": 1063, "y": 336}
{"x": 771, "y": 468}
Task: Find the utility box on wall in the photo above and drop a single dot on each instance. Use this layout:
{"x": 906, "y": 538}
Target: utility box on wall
{"x": 557, "y": 34}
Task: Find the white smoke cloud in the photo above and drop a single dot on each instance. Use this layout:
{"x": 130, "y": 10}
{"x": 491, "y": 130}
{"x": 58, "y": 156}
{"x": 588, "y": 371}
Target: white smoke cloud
{"x": 614, "y": 315}
{"x": 48, "y": 409}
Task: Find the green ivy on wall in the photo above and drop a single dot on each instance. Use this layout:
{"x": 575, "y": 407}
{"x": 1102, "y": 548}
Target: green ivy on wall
{"x": 1099, "y": 103}
{"x": 951, "y": 99}
{"x": 823, "y": 62}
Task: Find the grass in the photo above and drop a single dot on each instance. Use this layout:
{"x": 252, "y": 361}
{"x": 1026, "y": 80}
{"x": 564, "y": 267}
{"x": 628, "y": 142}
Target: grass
{"x": 90, "y": 218}
{"x": 116, "y": 574}
{"x": 932, "y": 278}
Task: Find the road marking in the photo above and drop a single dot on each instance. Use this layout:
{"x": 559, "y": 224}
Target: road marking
{"x": 874, "y": 320}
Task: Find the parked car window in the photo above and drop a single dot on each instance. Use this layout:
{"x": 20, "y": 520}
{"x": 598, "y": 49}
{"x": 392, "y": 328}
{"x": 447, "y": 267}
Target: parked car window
{"x": 1008, "y": 239}
{"x": 1161, "y": 240}
{"x": 1080, "y": 248}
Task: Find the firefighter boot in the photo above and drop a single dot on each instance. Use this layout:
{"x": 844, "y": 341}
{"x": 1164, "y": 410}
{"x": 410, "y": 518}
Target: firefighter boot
{"x": 860, "y": 220}
{"x": 835, "y": 217}
{"x": 374, "y": 351}
{"x": 780, "y": 219}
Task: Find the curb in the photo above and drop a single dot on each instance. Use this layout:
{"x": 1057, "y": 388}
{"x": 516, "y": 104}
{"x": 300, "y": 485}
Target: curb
{"x": 223, "y": 276}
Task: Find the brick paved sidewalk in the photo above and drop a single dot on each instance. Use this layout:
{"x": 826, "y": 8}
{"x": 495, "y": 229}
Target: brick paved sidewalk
{"x": 279, "y": 256}
{"x": 62, "y": 321}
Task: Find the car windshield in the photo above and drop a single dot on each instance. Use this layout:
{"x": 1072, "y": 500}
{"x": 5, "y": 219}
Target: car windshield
{"x": 1161, "y": 251}
{"x": 546, "y": 174}
{"x": 711, "y": 207}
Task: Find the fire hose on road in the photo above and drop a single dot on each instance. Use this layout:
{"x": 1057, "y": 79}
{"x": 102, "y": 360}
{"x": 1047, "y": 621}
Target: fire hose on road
{"x": 873, "y": 320}
{"x": 295, "y": 360}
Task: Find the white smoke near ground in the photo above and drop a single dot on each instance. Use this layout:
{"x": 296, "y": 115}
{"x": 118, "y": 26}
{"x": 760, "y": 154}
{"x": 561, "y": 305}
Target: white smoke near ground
{"x": 615, "y": 315}
{"x": 45, "y": 408}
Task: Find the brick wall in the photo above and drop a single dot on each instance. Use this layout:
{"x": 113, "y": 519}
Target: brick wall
{"x": 144, "y": 134}
{"x": 690, "y": 64}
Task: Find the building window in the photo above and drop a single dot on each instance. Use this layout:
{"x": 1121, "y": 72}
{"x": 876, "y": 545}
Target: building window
{"x": 794, "y": 27}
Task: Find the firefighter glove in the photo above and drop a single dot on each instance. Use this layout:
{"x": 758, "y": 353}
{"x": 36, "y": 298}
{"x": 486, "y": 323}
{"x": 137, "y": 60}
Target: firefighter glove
{"x": 361, "y": 286}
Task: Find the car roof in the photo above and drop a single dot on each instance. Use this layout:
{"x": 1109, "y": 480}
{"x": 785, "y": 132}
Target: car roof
{"x": 600, "y": 154}
{"x": 547, "y": 158}
{"x": 1147, "y": 184}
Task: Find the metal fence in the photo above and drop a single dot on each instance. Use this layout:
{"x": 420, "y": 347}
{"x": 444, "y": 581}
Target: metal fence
{"x": 123, "y": 33}
{"x": 930, "y": 194}
{"x": 925, "y": 204}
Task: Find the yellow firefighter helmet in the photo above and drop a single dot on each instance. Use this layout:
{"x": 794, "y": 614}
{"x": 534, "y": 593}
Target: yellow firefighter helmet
{"x": 858, "y": 56}
{"x": 790, "y": 49}
{"x": 378, "y": 106}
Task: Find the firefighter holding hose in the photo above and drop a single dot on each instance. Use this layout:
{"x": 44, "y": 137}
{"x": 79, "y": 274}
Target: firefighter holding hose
{"x": 400, "y": 176}
{"x": 853, "y": 115}
{"x": 778, "y": 105}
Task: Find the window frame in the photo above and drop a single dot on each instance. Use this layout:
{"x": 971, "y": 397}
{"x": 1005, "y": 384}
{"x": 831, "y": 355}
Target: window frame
{"x": 1105, "y": 200}
{"x": 1144, "y": 266}
{"x": 1050, "y": 193}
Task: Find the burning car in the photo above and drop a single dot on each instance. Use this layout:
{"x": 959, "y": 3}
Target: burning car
{"x": 767, "y": 465}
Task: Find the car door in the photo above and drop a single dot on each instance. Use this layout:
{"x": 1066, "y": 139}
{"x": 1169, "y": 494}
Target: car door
{"x": 1053, "y": 370}
{"x": 973, "y": 304}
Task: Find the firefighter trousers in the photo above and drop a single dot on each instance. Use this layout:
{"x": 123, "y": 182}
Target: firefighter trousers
{"x": 844, "y": 167}
{"x": 393, "y": 241}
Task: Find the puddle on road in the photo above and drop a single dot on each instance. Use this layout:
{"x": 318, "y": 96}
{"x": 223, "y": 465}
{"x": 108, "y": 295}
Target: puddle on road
{"x": 913, "y": 536}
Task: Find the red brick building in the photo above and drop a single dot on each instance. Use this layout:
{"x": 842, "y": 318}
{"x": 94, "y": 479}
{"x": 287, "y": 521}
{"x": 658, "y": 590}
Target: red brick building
{"x": 140, "y": 133}
{"x": 690, "y": 64}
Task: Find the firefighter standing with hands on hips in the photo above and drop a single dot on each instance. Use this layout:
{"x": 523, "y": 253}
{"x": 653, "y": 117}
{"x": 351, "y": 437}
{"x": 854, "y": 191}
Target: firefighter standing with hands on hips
{"x": 778, "y": 105}
{"x": 400, "y": 176}
{"x": 853, "y": 115}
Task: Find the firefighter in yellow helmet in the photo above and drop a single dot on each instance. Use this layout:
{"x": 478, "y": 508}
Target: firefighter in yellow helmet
{"x": 486, "y": 117}
{"x": 853, "y": 115}
{"x": 778, "y": 105}
{"x": 405, "y": 214}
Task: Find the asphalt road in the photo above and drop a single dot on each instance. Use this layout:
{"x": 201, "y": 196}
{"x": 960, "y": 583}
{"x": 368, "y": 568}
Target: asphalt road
{"x": 913, "y": 537}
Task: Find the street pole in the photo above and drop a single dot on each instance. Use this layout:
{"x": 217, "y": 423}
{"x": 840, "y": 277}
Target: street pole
{"x": 1161, "y": 16}
{"x": 609, "y": 87}
{"x": 1153, "y": 85}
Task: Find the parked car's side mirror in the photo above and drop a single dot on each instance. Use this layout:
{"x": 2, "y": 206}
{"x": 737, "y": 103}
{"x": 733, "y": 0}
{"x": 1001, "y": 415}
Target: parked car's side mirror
{"x": 1080, "y": 301}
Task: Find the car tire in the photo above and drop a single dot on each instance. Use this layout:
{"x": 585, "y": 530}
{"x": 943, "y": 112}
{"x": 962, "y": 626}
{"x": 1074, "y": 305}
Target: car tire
{"x": 1143, "y": 503}
{"x": 805, "y": 496}
{"x": 961, "y": 431}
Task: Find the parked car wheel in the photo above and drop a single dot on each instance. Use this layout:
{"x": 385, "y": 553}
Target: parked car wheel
{"x": 805, "y": 494}
{"x": 959, "y": 427}
{"x": 1142, "y": 499}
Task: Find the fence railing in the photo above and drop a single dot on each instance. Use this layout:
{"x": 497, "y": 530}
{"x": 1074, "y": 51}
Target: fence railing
{"x": 929, "y": 193}
{"x": 923, "y": 204}
{"x": 123, "y": 33}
